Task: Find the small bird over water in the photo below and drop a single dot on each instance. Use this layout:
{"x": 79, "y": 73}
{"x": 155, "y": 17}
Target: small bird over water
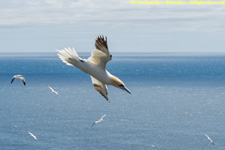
{"x": 32, "y": 135}
{"x": 53, "y": 91}
{"x": 99, "y": 121}
{"x": 209, "y": 139}
{"x": 95, "y": 66}
{"x": 20, "y": 77}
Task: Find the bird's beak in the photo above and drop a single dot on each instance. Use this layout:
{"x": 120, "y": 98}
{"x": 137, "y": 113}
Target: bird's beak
{"x": 126, "y": 89}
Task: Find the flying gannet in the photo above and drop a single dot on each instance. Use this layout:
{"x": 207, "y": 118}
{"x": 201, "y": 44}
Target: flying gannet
{"x": 32, "y": 135}
{"x": 209, "y": 139}
{"x": 20, "y": 77}
{"x": 53, "y": 91}
{"x": 99, "y": 121}
{"x": 95, "y": 66}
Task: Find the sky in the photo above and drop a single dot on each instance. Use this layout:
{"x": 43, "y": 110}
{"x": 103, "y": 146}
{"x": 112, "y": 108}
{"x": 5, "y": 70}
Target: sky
{"x": 33, "y": 26}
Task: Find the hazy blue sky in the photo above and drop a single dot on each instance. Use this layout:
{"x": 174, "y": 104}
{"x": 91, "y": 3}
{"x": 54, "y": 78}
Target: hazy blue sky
{"x": 47, "y": 25}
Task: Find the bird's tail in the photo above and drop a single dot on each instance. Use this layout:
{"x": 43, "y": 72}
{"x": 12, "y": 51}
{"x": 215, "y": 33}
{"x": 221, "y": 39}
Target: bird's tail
{"x": 68, "y": 56}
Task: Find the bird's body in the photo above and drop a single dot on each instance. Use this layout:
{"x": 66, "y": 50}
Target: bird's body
{"x": 94, "y": 70}
{"x": 18, "y": 77}
{"x": 95, "y": 66}
{"x": 53, "y": 91}
{"x": 99, "y": 121}
{"x": 31, "y": 134}
{"x": 209, "y": 139}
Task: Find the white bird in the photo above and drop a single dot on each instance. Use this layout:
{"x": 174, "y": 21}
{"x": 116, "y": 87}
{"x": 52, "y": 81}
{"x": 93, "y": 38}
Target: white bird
{"x": 95, "y": 66}
{"x": 99, "y": 121}
{"x": 53, "y": 91}
{"x": 32, "y": 135}
{"x": 20, "y": 77}
{"x": 209, "y": 139}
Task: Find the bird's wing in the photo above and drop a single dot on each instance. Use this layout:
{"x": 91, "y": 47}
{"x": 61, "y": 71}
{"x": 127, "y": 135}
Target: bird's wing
{"x": 12, "y": 80}
{"x": 100, "y": 56}
{"x": 56, "y": 93}
{"x": 31, "y": 134}
{"x": 209, "y": 139}
{"x": 50, "y": 88}
{"x": 23, "y": 79}
{"x": 19, "y": 76}
{"x": 93, "y": 124}
{"x": 103, "y": 116}
{"x": 207, "y": 136}
{"x": 34, "y": 137}
{"x": 100, "y": 87}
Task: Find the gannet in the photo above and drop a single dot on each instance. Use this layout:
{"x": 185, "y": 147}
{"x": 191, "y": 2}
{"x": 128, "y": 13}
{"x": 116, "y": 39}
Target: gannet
{"x": 53, "y": 91}
{"x": 99, "y": 121}
{"x": 209, "y": 139}
{"x": 32, "y": 135}
{"x": 95, "y": 66}
{"x": 20, "y": 77}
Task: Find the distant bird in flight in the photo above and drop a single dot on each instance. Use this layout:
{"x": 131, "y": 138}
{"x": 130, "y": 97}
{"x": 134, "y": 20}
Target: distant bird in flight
{"x": 32, "y": 135}
{"x": 95, "y": 66}
{"x": 53, "y": 91}
{"x": 209, "y": 139}
{"x": 20, "y": 77}
{"x": 99, "y": 121}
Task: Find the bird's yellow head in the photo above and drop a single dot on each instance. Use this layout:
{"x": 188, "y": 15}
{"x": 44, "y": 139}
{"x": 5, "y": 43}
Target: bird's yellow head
{"x": 119, "y": 84}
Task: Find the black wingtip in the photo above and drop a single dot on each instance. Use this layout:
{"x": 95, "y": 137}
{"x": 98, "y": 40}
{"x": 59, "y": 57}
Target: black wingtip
{"x": 12, "y": 80}
{"x": 100, "y": 42}
{"x": 92, "y": 125}
{"x": 105, "y": 98}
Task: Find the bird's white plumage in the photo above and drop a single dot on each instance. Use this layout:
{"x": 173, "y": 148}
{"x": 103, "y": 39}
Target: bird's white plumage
{"x": 68, "y": 56}
{"x": 102, "y": 116}
{"x": 19, "y": 77}
{"x": 31, "y": 134}
{"x": 53, "y": 91}
{"x": 94, "y": 66}
{"x": 209, "y": 138}
{"x": 99, "y": 121}
{"x": 99, "y": 58}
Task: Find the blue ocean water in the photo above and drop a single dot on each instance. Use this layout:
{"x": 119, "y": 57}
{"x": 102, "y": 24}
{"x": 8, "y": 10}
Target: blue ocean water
{"x": 176, "y": 98}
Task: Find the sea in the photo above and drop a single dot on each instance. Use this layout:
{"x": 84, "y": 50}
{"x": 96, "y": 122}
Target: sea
{"x": 176, "y": 99}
